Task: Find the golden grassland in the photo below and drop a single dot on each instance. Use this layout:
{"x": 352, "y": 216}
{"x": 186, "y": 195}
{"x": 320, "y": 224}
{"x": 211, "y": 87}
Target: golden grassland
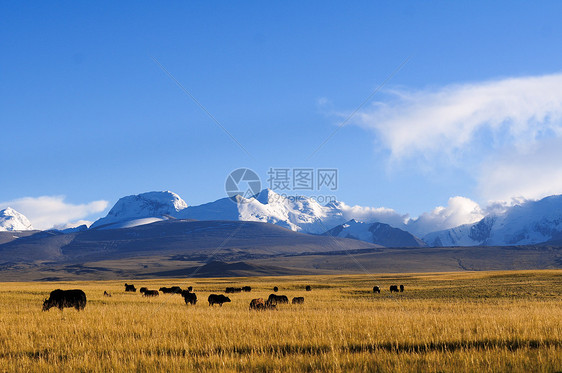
{"x": 478, "y": 321}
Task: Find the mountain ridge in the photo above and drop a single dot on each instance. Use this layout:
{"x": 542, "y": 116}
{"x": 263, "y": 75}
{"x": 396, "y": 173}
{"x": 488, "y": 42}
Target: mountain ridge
{"x": 377, "y": 233}
{"x": 530, "y": 222}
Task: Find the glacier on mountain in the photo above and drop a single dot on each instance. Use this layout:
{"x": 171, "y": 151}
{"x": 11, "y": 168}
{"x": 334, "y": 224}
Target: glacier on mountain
{"x": 529, "y": 222}
{"x": 11, "y": 220}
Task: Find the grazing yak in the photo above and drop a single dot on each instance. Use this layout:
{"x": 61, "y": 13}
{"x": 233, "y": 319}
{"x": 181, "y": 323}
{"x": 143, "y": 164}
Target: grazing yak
{"x": 189, "y": 297}
{"x": 275, "y": 289}
{"x": 217, "y": 299}
{"x": 308, "y": 288}
{"x": 233, "y": 290}
{"x": 394, "y": 288}
{"x": 130, "y": 288}
{"x": 150, "y": 293}
{"x": 65, "y": 299}
{"x": 246, "y": 289}
{"x": 257, "y": 304}
{"x": 171, "y": 290}
{"x": 376, "y": 289}
{"x": 106, "y": 294}
{"x": 298, "y": 300}
{"x": 401, "y": 288}
{"x": 277, "y": 299}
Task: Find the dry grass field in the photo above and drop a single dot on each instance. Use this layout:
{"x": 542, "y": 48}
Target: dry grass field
{"x": 452, "y": 322}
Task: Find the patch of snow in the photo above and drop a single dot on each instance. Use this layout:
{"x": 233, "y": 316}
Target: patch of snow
{"x": 131, "y": 223}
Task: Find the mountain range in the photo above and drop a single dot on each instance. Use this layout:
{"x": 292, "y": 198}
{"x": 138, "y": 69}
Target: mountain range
{"x": 157, "y": 234}
{"x": 529, "y": 222}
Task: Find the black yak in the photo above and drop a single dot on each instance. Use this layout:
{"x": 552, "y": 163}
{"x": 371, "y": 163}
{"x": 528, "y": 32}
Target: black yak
{"x": 151, "y": 293}
{"x": 65, "y": 299}
{"x": 130, "y": 288}
{"x": 401, "y": 288}
{"x": 376, "y": 289}
{"x": 233, "y": 290}
{"x": 189, "y": 297}
{"x": 308, "y": 288}
{"x": 277, "y": 299}
{"x": 217, "y": 299}
{"x": 171, "y": 290}
{"x": 298, "y": 300}
{"x": 393, "y": 288}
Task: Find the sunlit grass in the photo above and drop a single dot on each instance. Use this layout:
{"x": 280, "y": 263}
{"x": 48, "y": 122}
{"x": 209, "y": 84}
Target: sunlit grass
{"x": 495, "y": 321}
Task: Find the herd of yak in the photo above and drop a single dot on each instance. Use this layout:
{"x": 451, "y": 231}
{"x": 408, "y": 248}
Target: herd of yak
{"x": 77, "y": 298}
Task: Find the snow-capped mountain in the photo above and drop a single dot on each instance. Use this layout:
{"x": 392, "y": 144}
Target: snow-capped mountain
{"x": 142, "y": 209}
{"x": 378, "y": 233}
{"x": 11, "y": 220}
{"x": 527, "y": 223}
{"x": 300, "y": 214}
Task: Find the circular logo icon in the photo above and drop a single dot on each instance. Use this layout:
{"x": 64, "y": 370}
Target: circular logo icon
{"x": 243, "y": 182}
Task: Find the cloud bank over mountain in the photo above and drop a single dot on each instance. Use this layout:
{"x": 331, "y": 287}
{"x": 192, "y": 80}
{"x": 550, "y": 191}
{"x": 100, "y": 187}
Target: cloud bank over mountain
{"x": 506, "y": 134}
{"x": 48, "y": 211}
{"x": 300, "y": 214}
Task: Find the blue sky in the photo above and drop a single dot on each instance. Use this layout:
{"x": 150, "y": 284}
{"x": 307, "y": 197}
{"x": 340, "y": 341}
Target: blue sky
{"x": 88, "y": 115}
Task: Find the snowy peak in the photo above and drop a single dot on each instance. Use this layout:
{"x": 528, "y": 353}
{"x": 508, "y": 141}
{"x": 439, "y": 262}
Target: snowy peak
{"x": 11, "y": 220}
{"x": 297, "y": 213}
{"x": 530, "y": 222}
{"x": 377, "y": 233}
{"x": 155, "y": 205}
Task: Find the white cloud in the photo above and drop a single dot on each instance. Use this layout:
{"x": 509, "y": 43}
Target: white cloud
{"x": 374, "y": 214}
{"x": 504, "y": 134}
{"x": 449, "y": 119}
{"x": 531, "y": 174}
{"x": 459, "y": 211}
{"x": 48, "y": 211}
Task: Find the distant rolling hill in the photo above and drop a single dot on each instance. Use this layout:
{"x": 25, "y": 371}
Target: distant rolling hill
{"x": 13, "y": 235}
{"x": 192, "y": 239}
{"x": 187, "y": 248}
